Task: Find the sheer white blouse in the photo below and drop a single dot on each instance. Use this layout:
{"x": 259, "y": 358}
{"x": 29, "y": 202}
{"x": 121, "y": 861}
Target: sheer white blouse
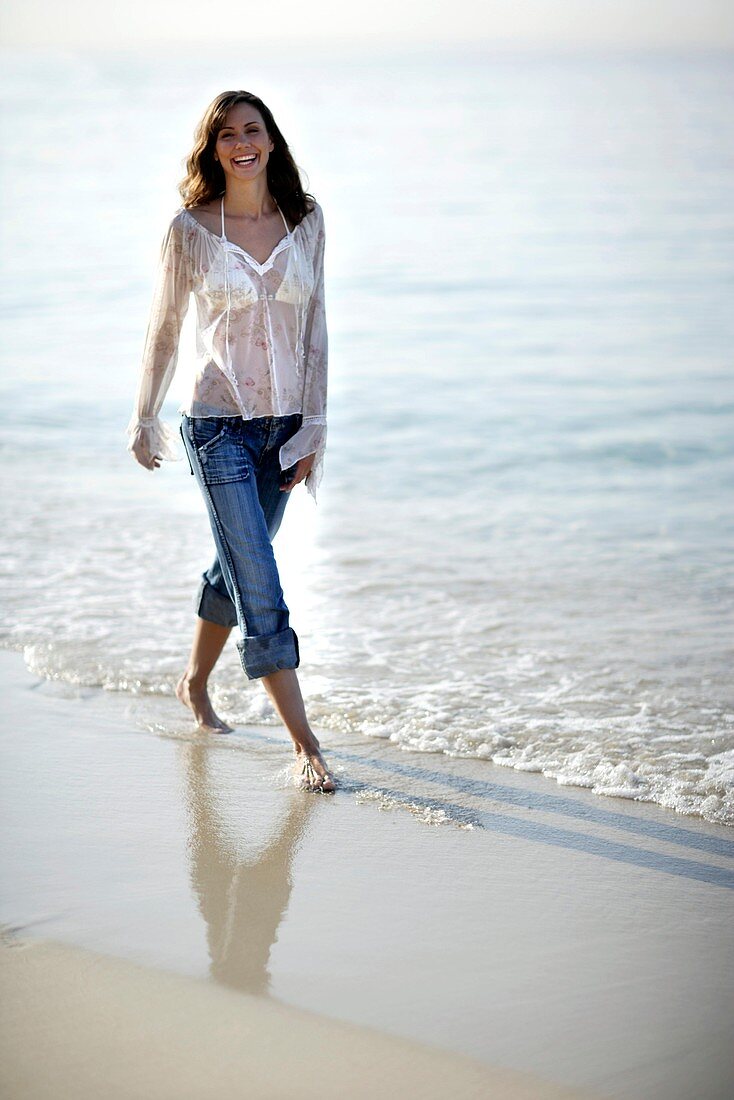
{"x": 261, "y": 339}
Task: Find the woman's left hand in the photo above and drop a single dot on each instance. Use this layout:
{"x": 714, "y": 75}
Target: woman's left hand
{"x": 302, "y": 470}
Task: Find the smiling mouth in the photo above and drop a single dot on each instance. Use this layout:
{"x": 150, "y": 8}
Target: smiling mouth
{"x": 244, "y": 161}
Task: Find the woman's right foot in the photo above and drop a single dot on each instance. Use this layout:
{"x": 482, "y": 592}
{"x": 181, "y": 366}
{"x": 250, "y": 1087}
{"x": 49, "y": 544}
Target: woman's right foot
{"x": 197, "y": 700}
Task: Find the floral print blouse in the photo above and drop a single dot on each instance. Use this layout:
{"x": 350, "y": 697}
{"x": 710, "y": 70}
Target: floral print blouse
{"x": 261, "y": 339}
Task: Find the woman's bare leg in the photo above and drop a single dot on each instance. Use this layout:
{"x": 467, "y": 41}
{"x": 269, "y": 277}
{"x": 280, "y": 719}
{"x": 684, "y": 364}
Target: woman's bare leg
{"x": 282, "y": 687}
{"x": 285, "y": 691}
{"x": 209, "y": 641}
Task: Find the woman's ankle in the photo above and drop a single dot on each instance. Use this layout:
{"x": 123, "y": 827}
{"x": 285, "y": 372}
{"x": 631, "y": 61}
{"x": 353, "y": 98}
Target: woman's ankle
{"x": 306, "y": 743}
{"x": 194, "y": 682}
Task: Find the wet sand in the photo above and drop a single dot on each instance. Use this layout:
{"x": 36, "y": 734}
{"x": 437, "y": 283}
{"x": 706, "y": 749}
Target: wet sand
{"x": 178, "y": 920}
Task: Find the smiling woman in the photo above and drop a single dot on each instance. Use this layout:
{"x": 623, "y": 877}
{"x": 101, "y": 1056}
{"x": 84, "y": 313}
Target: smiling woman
{"x": 249, "y": 244}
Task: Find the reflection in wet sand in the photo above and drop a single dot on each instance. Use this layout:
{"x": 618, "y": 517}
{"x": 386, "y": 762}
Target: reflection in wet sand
{"x": 242, "y": 902}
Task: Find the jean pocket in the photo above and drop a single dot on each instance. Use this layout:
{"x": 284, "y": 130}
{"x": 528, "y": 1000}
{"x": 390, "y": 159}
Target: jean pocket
{"x": 220, "y": 452}
{"x": 207, "y": 432}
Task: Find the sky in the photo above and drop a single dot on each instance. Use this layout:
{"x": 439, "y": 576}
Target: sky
{"x": 514, "y": 24}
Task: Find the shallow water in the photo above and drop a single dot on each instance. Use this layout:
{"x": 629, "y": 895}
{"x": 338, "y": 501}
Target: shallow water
{"x": 522, "y": 547}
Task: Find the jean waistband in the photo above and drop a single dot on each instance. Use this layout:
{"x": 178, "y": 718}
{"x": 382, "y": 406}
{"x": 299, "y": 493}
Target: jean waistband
{"x": 235, "y": 417}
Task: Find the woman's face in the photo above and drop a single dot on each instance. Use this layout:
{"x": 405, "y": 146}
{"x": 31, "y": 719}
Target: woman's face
{"x": 243, "y": 144}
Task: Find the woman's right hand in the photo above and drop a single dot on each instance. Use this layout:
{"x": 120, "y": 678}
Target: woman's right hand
{"x": 142, "y": 455}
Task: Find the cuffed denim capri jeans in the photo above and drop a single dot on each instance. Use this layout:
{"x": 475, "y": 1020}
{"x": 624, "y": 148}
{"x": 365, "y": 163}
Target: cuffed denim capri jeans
{"x": 236, "y": 465}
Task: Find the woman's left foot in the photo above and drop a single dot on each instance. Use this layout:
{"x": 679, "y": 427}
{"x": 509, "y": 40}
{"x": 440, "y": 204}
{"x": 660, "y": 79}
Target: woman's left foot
{"x": 313, "y": 773}
{"x": 197, "y": 699}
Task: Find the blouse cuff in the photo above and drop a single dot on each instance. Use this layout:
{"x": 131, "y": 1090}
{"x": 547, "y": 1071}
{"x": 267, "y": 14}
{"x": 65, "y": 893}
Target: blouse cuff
{"x": 155, "y": 435}
{"x": 309, "y": 439}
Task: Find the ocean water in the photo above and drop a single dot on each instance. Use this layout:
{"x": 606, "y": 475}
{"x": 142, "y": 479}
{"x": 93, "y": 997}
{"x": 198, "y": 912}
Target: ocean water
{"x": 522, "y": 550}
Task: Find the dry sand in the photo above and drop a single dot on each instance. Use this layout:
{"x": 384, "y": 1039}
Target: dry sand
{"x": 79, "y": 1024}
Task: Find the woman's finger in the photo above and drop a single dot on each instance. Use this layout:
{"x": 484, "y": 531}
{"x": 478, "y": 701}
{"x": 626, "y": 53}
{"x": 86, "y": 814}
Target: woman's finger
{"x": 150, "y": 462}
{"x": 303, "y": 469}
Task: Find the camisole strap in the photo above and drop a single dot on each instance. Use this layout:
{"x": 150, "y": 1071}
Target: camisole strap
{"x": 222, "y": 208}
{"x": 285, "y": 223}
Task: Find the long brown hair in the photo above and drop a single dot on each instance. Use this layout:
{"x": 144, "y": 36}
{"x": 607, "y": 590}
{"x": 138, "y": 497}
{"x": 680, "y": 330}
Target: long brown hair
{"x": 205, "y": 180}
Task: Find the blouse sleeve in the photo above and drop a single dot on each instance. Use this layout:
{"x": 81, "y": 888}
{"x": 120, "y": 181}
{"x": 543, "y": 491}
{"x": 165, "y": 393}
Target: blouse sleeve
{"x": 160, "y": 354}
{"x": 311, "y": 437}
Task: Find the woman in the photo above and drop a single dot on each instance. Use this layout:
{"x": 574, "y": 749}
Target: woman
{"x": 249, "y": 243}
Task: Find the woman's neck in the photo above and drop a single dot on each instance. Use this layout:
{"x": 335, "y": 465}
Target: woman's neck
{"x": 250, "y": 200}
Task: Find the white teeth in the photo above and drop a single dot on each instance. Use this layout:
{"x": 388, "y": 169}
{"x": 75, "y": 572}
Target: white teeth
{"x": 245, "y": 160}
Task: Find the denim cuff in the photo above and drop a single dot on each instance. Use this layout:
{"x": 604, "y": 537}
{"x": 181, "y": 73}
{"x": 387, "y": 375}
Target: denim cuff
{"x": 213, "y": 606}
{"x": 269, "y": 652}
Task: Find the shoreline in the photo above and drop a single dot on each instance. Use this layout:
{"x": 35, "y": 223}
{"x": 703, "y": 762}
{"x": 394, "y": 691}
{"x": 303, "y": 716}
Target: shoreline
{"x": 611, "y": 789}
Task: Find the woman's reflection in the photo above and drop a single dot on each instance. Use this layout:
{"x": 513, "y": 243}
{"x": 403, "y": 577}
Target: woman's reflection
{"x": 242, "y": 903}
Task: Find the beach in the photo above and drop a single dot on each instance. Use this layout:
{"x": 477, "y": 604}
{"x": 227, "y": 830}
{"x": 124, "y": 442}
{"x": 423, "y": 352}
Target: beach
{"x": 178, "y": 917}
{"x": 513, "y": 598}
